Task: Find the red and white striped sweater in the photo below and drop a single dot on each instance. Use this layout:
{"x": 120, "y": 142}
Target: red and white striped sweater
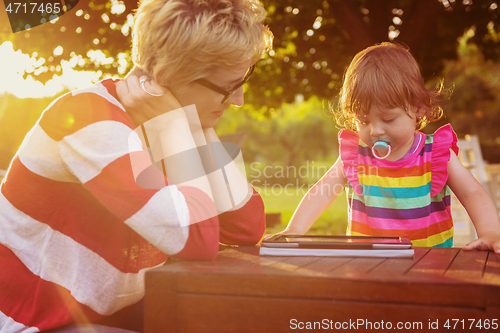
{"x": 77, "y": 233}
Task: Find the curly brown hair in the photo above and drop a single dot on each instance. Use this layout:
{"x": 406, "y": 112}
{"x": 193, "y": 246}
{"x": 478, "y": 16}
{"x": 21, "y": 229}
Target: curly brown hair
{"x": 388, "y": 75}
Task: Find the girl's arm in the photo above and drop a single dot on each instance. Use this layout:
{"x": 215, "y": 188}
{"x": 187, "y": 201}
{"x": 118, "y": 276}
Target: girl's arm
{"x": 478, "y": 204}
{"x": 317, "y": 200}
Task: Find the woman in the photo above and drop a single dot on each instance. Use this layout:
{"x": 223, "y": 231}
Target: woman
{"x": 82, "y": 212}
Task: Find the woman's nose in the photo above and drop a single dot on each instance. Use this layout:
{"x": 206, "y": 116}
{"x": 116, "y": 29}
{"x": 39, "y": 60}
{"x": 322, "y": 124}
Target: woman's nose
{"x": 237, "y": 98}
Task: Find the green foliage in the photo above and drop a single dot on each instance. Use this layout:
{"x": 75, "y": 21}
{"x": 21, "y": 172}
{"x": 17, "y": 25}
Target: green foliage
{"x": 473, "y": 107}
{"x": 278, "y": 200}
{"x": 314, "y": 39}
{"x": 292, "y": 145}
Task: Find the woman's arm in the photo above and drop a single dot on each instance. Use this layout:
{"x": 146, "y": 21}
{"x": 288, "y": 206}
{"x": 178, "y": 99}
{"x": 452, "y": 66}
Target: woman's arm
{"x": 172, "y": 133}
{"x": 244, "y": 223}
{"x": 234, "y": 171}
{"x": 317, "y": 200}
{"x": 478, "y": 204}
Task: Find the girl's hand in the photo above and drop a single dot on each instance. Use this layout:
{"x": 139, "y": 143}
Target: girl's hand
{"x": 487, "y": 242}
{"x": 478, "y": 204}
{"x": 141, "y": 106}
{"x": 268, "y": 236}
{"x": 283, "y": 232}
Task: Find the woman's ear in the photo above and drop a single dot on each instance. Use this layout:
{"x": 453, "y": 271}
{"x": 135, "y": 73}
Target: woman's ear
{"x": 158, "y": 77}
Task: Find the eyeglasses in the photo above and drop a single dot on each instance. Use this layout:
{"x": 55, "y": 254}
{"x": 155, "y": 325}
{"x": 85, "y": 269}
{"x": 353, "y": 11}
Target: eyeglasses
{"x": 222, "y": 91}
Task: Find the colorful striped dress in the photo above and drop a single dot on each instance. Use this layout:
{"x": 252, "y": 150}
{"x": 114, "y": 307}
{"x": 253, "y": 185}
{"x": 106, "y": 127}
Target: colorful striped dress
{"x": 408, "y": 197}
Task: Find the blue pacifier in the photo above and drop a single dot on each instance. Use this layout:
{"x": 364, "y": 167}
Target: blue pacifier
{"x": 380, "y": 148}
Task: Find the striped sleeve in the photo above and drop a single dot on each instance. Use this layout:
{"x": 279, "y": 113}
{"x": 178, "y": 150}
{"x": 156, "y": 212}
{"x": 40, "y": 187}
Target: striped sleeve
{"x": 76, "y": 232}
{"x": 91, "y": 135}
{"x": 244, "y": 226}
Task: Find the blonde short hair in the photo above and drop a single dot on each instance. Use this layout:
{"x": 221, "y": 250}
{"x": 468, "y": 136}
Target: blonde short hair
{"x": 179, "y": 41}
{"x": 387, "y": 75}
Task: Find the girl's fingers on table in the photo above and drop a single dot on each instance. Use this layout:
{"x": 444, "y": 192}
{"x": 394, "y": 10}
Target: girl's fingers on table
{"x": 477, "y": 244}
{"x": 496, "y": 247}
{"x": 481, "y": 244}
{"x": 266, "y": 237}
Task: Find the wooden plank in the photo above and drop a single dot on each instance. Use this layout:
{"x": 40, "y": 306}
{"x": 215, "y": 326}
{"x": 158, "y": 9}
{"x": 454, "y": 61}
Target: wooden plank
{"x": 493, "y": 312}
{"x": 300, "y": 261}
{"x": 333, "y": 266}
{"x": 250, "y": 250}
{"x": 467, "y": 266}
{"x": 492, "y": 269}
{"x": 434, "y": 264}
{"x": 357, "y": 268}
{"x": 432, "y": 269}
{"x": 276, "y": 264}
{"x": 491, "y": 277}
{"x": 262, "y": 264}
{"x": 396, "y": 268}
{"x": 206, "y": 313}
{"x": 289, "y": 284}
{"x": 225, "y": 260}
{"x": 160, "y": 303}
{"x": 325, "y": 265}
{"x": 312, "y": 279}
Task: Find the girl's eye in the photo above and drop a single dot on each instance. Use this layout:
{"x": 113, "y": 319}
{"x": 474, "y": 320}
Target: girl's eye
{"x": 389, "y": 120}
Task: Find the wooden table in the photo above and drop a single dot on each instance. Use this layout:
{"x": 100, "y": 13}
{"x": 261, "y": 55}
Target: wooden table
{"x": 242, "y": 292}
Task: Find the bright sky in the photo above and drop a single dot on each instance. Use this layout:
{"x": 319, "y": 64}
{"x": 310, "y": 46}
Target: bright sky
{"x": 15, "y": 63}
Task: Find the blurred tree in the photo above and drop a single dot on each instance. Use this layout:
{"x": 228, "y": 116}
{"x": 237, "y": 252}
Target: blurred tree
{"x": 315, "y": 39}
{"x": 474, "y": 104}
{"x": 297, "y": 138}
{"x": 96, "y": 32}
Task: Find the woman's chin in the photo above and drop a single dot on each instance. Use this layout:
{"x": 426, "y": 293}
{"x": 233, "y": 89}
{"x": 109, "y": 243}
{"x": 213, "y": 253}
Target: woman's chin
{"x": 209, "y": 123}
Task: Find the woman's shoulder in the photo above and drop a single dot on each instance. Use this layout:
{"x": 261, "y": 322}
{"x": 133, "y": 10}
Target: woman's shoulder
{"x": 82, "y": 108}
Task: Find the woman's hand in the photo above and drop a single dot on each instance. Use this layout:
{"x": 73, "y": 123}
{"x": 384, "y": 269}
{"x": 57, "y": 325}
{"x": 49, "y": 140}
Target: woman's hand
{"x": 141, "y": 106}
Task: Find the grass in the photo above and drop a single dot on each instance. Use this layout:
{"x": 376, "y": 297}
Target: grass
{"x": 279, "y": 200}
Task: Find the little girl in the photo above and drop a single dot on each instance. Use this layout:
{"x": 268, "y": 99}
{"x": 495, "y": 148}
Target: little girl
{"x": 397, "y": 179}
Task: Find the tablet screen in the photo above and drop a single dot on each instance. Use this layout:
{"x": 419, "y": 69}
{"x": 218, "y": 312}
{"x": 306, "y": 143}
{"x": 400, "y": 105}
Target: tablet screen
{"x": 344, "y": 239}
